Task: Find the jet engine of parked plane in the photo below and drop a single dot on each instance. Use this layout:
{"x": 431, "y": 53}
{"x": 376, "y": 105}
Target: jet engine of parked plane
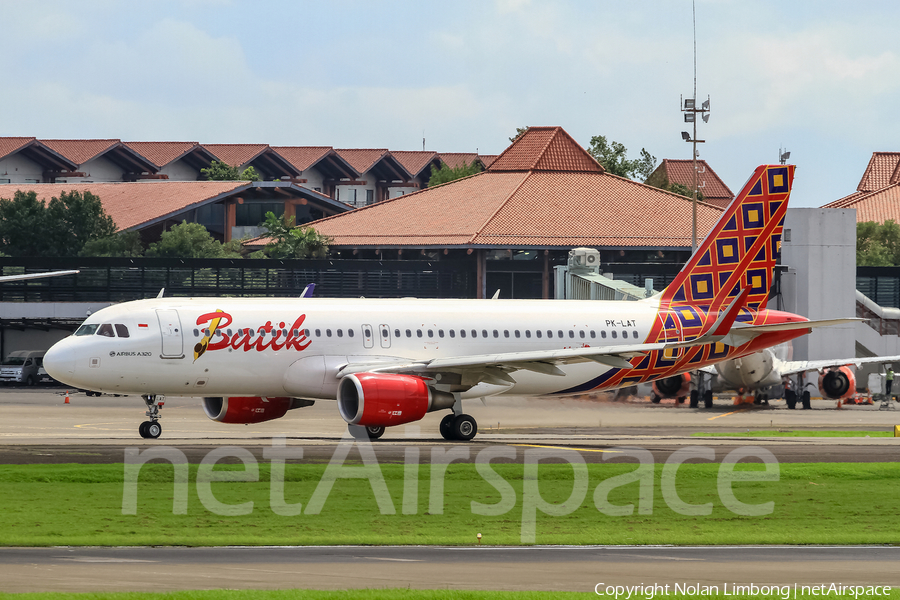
{"x": 837, "y": 382}
{"x": 250, "y": 409}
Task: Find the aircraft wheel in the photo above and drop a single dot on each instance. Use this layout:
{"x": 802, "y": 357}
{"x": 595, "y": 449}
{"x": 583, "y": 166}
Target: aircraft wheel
{"x": 375, "y": 432}
{"x": 806, "y": 403}
{"x": 154, "y": 430}
{"x": 144, "y": 430}
{"x": 447, "y": 427}
{"x": 707, "y": 399}
{"x": 695, "y": 398}
{"x": 464, "y": 428}
{"x": 654, "y": 398}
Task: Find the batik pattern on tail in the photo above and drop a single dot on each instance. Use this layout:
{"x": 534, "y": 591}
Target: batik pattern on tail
{"x": 740, "y": 252}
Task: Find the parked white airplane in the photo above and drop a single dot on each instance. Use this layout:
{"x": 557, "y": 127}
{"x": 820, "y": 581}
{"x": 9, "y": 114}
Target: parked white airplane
{"x": 36, "y": 275}
{"x": 389, "y": 362}
{"x": 756, "y": 373}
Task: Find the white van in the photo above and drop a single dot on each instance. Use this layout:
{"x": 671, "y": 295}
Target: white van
{"x": 24, "y": 367}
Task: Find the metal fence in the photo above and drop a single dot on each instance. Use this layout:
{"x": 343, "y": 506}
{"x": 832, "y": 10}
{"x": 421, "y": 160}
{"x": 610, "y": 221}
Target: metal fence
{"x": 122, "y": 279}
{"x": 880, "y": 284}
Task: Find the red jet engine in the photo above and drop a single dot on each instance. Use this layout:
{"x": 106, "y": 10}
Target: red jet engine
{"x": 837, "y": 383}
{"x": 250, "y": 409}
{"x": 385, "y": 400}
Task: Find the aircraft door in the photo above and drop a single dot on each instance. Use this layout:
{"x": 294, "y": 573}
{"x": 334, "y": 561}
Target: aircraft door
{"x": 385, "y": 335}
{"x": 170, "y": 328}
{"x": 368, "y": 336}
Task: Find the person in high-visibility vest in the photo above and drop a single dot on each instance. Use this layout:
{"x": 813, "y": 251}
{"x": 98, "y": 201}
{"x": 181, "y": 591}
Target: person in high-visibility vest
{"x": 889, "y": 377}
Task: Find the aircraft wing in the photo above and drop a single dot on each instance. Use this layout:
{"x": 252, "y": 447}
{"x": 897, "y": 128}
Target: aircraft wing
{"x": 35, "y": 275}
{"x": 801, "y": 366}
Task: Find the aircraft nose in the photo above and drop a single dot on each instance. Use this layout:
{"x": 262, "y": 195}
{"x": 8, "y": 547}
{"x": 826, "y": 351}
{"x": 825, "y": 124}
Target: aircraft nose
{"x": 59, "y": 361}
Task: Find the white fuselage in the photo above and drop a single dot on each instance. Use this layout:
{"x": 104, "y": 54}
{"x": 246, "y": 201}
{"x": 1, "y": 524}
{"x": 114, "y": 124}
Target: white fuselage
{"x": 295, "y": 347}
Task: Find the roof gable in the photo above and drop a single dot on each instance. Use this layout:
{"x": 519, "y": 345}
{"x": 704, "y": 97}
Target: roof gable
{"x": 162, "y": 153}
{"x": 416, "y": 161}
{"x": 681, "y": 171}
{"x": 236, "y": 155}
{"x": 323, "y": 158}
{"x": 546, "y": 149}
{"x": 11, "y": 145}
{"x": 883, "y": 169}
{"x": 81, "y": 151}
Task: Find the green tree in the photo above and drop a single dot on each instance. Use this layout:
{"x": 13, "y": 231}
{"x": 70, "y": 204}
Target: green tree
{"x": 29, "y": 227}
{"x": 288, "y": 241}
{"x": 877, "y": 245}
{"x": 613, "y": 157}
{"x": 192, "y": 240}
{"x": 447, "y": 173}
{"x": 124, "y": 243}
{"x": 220, "y": 171}
{"x": 75, "y": 219}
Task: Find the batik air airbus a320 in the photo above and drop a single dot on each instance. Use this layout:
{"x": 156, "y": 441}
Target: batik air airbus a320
{"x": 388, "y": 362}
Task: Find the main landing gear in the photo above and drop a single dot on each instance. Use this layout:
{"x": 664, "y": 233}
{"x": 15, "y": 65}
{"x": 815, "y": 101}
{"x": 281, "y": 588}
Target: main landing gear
{"x": 152, "y": 429}
{"x": 459, "y": 427}
{"x": 362, "y": 433}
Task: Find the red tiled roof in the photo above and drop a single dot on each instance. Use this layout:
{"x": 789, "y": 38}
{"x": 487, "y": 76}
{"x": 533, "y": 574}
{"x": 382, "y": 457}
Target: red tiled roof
{"x": 455, "y": 160}
{"x": 883, "y": 170}
{"x": 362, "y": 159}
{"x": 80, "y": 151}
{"x": 879, "y": 206}
{"x": 236, "y": 155}
{"x": 415, "y": 161}
{"x": 132, "y": 204}
{"x": 303, "y": 157}
{"x": 546, "y": 149}
{"x": 488, "y": 159}
{"x": 162, "y": 153}
{"x": 711, "y": 185}
{"x": 557, "y": 205}
{"x": 9, "y": 145}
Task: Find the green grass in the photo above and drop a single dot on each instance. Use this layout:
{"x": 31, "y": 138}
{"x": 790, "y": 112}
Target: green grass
{"x": 385, "y": 594}
{"x": 819, "y": 503}
{"x": 794, "y": 433}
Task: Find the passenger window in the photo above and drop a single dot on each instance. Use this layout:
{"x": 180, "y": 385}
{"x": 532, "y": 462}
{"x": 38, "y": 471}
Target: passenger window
{"x": 350, "y": 332}
{"x": 613, "y": 333}
{"x": 396, "y": 333}
{"x": 603, "y": 334}
{"x": 549, "y": 334}
{"x": 229, "y": 332}
{"x": 528, "y": 333}
{"x": 306, "y": 333}
{"x": 559, "y": 333}
{"x": 453, "y": 333}
{"x": 537, "y": 332}
{"x": 121, "y": 330}
{"x": 418, "y": 333}
{"x": 106, "y": 330}
{"x": 496, "y": 333}
{"x": 368, "y": 332}
{"x": 318, "y": 333}
{"x": 462, "y": 333}
{"x": 430, "y": 333}
{"x": 624, "y": 334}
{"x": 484, "y": 332}
{"x": 517, "y": 333}
{"x": 475, "y": 333}
{"x": 593, "y": 334}
{"x": 581, "y": 333}
{"x": 408, "y": 333}
{"x": 571, "y": 333}
{"x": 440, "y": 333}
{"x": 87, "y": 329}
{"x": 506, "y": 333}
{"x": 634, "y": 334}
{"x": 340, "y": 332}
{"x": 328, "y": 333}
{"x": 196, "y": 333}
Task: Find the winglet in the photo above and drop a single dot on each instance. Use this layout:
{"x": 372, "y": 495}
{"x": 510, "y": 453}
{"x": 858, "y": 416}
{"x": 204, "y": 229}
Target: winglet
{"x": 308, "y": 291}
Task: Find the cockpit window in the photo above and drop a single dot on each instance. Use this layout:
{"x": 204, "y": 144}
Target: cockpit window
{"x": 106, "y": 329}
{"x": 121, "y": 330}
{"x": 87, "y": 329}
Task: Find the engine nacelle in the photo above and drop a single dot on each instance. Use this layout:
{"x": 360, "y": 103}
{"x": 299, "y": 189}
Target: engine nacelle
{"x": 250, "y": 409}
{"x": 837, "y": 383}
{"x": 385, "y": 400}
{"x": 676, "y": 386}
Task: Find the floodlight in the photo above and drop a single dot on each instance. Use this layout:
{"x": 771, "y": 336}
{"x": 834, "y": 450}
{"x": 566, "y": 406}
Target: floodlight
{"x": 688, "y": 104}
{"x": 685, "y": 136}
{"x": 688, "y": 117}
{"x": 705, "y": 105}
{"x": 706, "y": 117}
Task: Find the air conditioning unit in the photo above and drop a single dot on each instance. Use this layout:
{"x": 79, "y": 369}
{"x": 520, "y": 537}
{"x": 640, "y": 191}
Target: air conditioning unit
{"x": 584, "y": 260}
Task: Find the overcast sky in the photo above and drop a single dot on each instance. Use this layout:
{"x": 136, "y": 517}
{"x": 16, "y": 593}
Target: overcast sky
{"x": 821, "y": 78}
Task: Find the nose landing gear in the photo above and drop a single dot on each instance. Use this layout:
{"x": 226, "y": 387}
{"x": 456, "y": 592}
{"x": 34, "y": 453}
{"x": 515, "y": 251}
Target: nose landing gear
{"x": 152, "y": 429}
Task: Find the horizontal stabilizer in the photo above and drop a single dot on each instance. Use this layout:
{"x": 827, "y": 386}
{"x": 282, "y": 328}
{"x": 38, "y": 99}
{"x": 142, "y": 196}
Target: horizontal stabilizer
{"x": 741, "y": 334}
